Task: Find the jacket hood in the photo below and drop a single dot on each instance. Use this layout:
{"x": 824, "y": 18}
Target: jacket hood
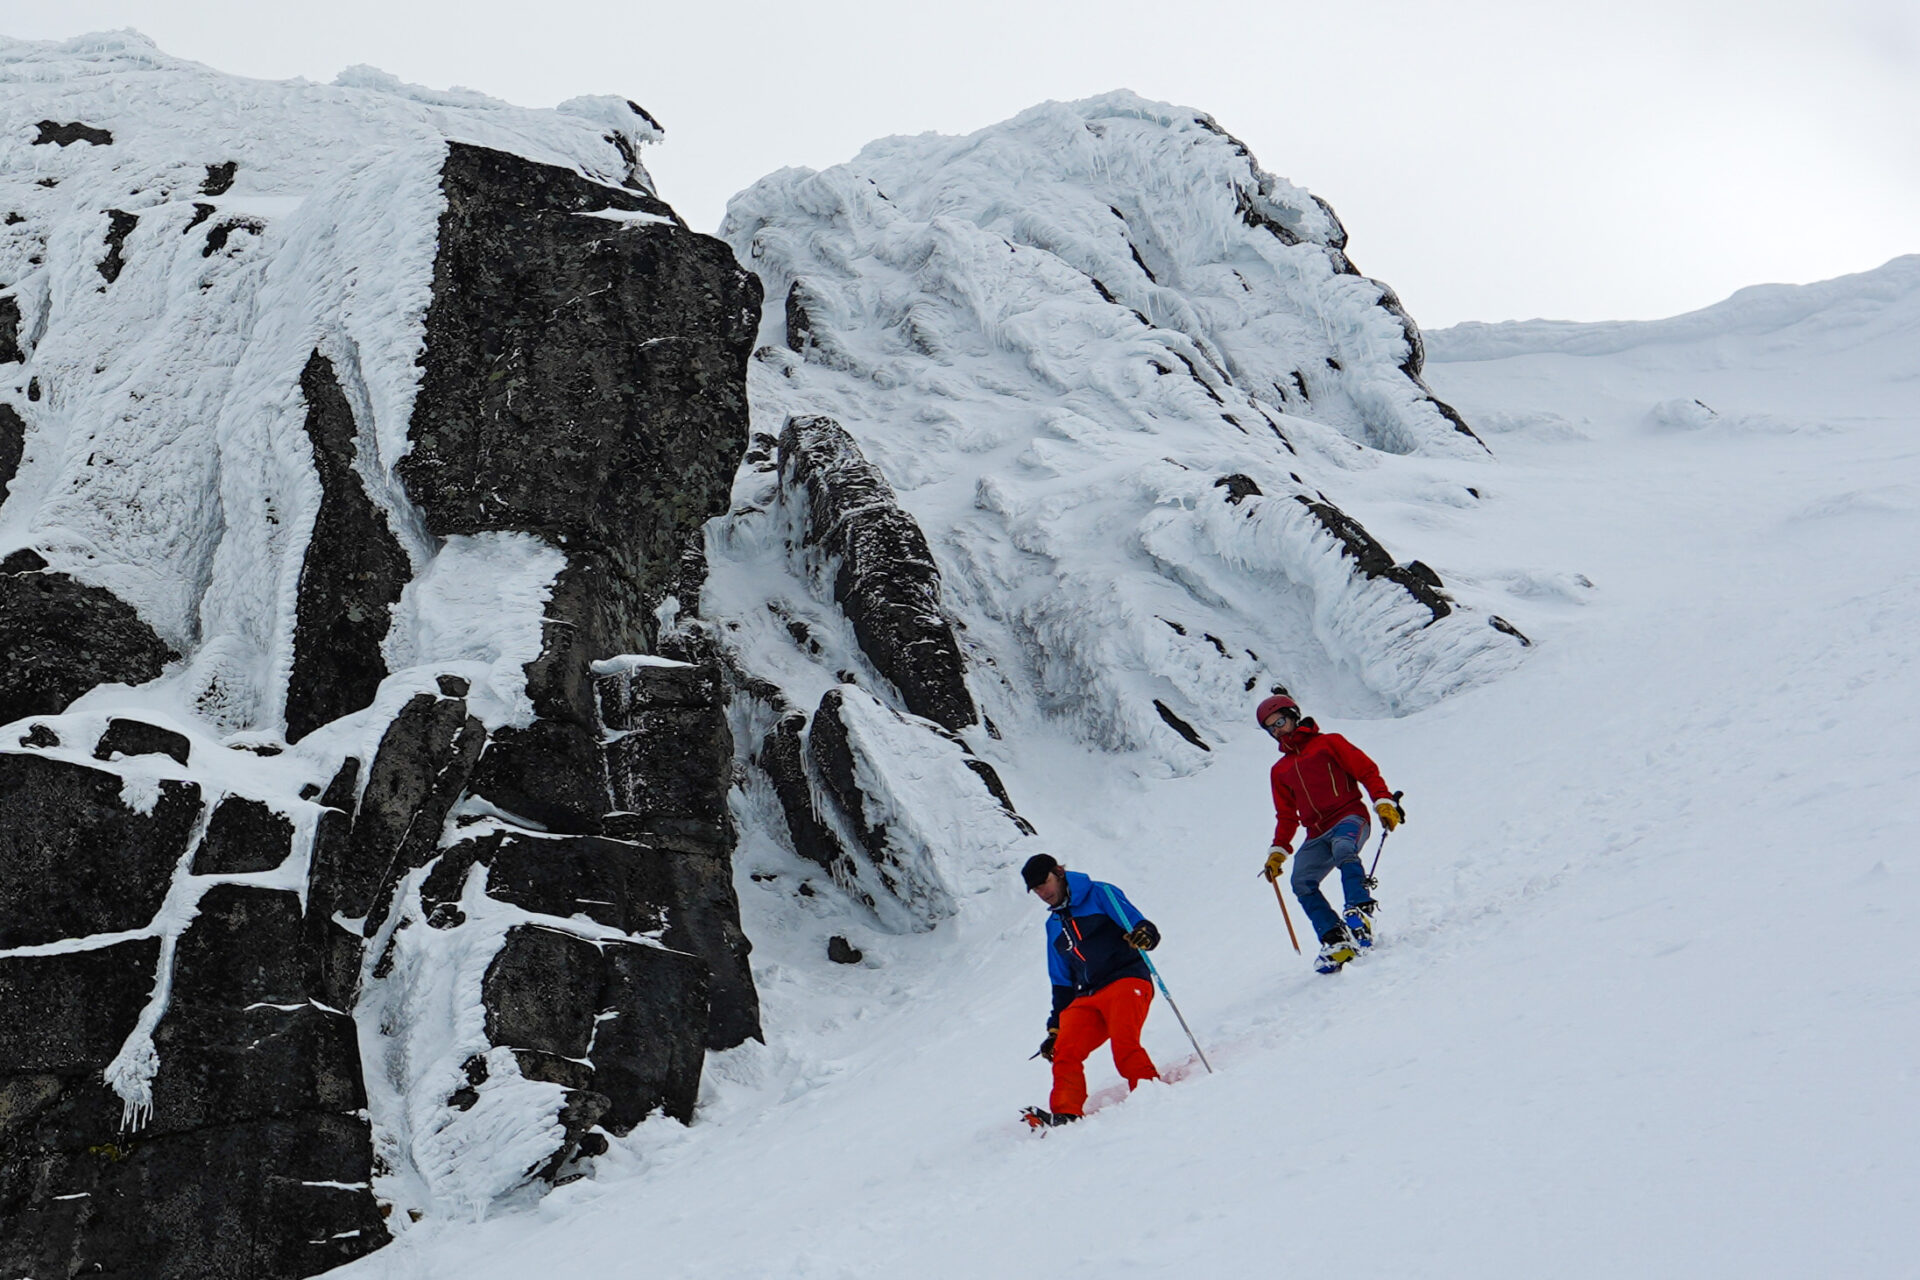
{"x": 1079, "y": 891}
{"x": 1298, "y": 736}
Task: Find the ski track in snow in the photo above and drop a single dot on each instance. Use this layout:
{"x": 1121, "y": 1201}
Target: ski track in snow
{"x": 1645, "y": 997}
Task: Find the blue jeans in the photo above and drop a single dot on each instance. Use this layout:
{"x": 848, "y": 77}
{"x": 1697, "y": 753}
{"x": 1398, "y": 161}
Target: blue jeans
{"x": 1338, "y": 847}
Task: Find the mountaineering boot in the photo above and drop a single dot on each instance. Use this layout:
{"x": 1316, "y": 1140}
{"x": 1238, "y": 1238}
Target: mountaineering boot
{"x": 1359, "y": 918}
{"x": 1336, "y": 948}
{"x": 1037, "y": 1118}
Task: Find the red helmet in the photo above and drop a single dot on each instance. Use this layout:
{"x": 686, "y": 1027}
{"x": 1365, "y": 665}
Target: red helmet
{"x": 1278, "y": 702}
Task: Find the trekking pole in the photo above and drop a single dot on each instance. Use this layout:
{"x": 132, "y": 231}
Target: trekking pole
{"x": 1113, "y": 909}
{"x": 1373, "y": 883}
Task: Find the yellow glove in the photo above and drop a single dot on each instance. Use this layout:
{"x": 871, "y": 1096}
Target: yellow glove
{"x": 1391, "y": 814}
{"x": 1276, "y": 861}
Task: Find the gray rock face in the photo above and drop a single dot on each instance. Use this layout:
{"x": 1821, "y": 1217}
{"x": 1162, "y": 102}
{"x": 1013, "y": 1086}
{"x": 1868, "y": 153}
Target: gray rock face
{"x": 248, "y": 1201}
{"x": 69, "y": 826}
{"x": 243, "y": 835}
{"x": 671, "y": 888}
{"x": 583, "y": 381}
{"x": 423, "y": 764}
{"x": 258, "y": 1102}
{"x": 555, "y": 993}
{"x": 62, "y": 638}
{"x": 883, "y": 574}
{"x": 783, "y": 757}
{"x": 10, "y": 351}
{"x": 584, "y": 377}
{"x": 13, "y": 446}
{"x": 353, "y": 574}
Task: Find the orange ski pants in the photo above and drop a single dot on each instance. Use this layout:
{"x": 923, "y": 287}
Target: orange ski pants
{"x": 1115, "y": 1012}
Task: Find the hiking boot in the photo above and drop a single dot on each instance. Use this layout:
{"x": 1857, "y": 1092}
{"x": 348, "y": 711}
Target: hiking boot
{"x": 1359, "y": 918}
{"x": 1040, "y": 1119}
{"x": 1336, "y": 948}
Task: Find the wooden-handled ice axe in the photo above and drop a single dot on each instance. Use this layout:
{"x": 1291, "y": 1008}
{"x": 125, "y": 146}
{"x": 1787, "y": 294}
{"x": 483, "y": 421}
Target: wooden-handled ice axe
{"x": 1281, "y": 898}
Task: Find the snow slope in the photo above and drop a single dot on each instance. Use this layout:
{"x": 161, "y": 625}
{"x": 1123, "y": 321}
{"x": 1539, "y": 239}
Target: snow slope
{"x": 1646, "y": 1001}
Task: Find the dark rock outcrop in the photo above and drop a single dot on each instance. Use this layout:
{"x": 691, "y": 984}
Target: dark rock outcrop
{"x": 243, "y": 835}
{"x": 70, "y": 826}
{"x": 783, "y": 757}
{"x": 1372, "y": 559}
{"x": 10, "y": 349}
{"x": 253, "y": 1158}
{"x": 670, "y": 753}
{"x": 831, "y": 755}
{"x": 583, "y": 381}
{"x": 423, "y": 764}
{"x": 81, "y": 1006}
{"x": 883, "y": 573}
{"x": 584, "y": 377}
{"x": 1239, "y": 488}
{"x": 138, "y": 738}
{"x": 52, "y": 131}
{"x": 120, "y": 225}
{"x": 351, "y": 578}
{"x": 605, "y": 357}
{"x": 551, "y": 772}
{"x": 13, "y": 445}
{"x": 219, "y": 179}
{"x": 669, "y": 888}
{"x": 62, "y": 638}
{"x": 625, "y": 1006}
{"x": 1180, "y": 726}
{"x": 269, "y": 1199}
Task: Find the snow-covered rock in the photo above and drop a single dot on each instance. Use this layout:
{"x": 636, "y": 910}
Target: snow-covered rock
{"x": 1095, "y": 356}
{"x": 343, "y": 429}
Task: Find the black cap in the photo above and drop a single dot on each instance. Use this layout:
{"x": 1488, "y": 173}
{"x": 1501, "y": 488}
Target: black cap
{"x": 1038, "y": 868}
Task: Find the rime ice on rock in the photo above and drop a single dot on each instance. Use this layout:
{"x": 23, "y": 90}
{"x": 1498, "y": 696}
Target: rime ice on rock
{"x": 1094, "y": 358}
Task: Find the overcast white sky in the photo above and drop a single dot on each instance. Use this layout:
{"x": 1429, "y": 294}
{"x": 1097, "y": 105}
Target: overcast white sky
{"x": 1491, "y": 159}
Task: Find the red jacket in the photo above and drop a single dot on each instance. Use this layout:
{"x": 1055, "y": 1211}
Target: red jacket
{"x": 1317, "y": 781}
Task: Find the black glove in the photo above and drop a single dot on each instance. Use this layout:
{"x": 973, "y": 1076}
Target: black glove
{"x": 1046, "y": 1046}
{"x": 1144, "y": 937}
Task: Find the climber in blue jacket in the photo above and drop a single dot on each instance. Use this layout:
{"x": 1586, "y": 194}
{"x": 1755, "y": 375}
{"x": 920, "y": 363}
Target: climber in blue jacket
{"x": 1101, "y": 987}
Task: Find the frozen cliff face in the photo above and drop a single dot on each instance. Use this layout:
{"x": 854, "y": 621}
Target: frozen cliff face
{"x": 1095, "y": 358}
{"x": 363, "y": 828}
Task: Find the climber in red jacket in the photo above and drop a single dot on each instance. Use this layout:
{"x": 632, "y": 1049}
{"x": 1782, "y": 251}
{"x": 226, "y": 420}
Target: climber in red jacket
{"x": 1316, "y": 784}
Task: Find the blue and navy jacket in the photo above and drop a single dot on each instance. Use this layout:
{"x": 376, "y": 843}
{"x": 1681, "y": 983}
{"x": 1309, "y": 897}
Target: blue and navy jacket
{"x": 1087, "y": 945}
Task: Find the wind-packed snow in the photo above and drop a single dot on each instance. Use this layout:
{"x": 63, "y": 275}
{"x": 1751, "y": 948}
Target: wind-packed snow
{"x": 1646, "y": 998}
{"x": 1055, "y": 337}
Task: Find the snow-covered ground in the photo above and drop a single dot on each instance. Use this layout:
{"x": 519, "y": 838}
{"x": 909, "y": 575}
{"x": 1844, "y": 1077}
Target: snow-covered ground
{"x": 1647, "y": 1001}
